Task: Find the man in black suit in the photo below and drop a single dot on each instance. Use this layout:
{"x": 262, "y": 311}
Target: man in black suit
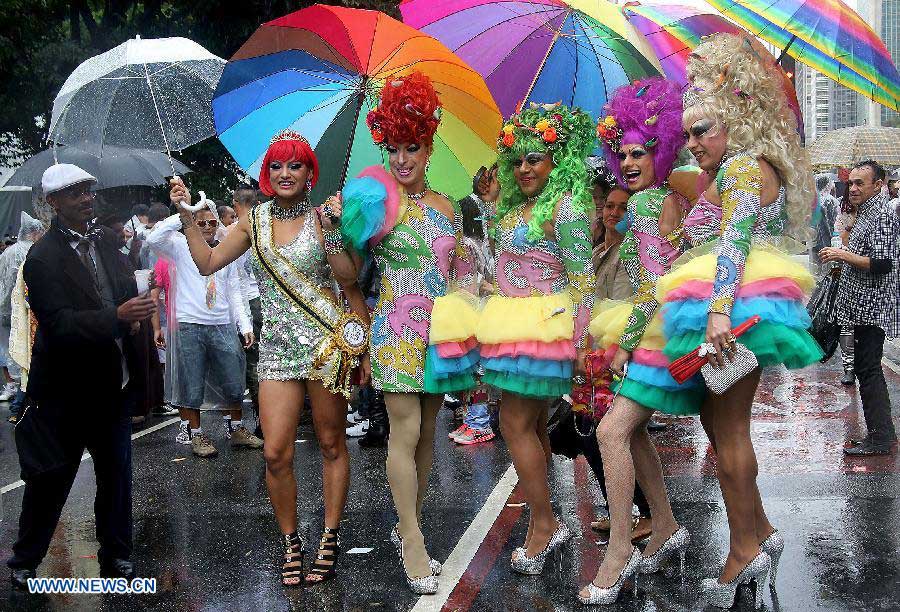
{"x": 86, "y": 306}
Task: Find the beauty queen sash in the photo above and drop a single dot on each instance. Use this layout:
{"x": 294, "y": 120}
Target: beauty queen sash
{"x": 346, "y": 334}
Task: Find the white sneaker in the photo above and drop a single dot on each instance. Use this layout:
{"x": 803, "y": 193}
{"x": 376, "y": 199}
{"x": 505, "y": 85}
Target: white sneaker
{"x": 358, "y": 430}
{"x": 184, "y": 434}
{"x": 9, "y": 391}
{"x": 355, "y": 417}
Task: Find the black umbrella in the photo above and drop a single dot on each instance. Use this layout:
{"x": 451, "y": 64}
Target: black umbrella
{"x": 117, "y": 167}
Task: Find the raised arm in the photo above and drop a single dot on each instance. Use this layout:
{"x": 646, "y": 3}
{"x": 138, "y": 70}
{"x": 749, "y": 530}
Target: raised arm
{"x": 208, "y": 259}
{"x": 571, "y": 230}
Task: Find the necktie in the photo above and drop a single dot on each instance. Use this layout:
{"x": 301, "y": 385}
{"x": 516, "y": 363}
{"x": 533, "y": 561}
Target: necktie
{"x": 84, "y": 254}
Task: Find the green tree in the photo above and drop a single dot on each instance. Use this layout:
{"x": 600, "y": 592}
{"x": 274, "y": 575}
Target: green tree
{"x": 43, "y": 41}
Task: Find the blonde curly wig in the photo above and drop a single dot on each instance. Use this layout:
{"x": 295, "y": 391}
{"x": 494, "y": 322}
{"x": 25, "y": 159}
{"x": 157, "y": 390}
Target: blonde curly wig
{"x": 734, "y": 86}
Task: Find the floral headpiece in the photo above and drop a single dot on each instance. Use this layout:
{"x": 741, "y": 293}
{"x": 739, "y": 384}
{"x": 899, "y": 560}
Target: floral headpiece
{"x": 552, "y": 123}
{"x": 288, "y": 135}
{"x": 609, "y": 132}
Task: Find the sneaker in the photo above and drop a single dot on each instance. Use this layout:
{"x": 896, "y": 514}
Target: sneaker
{"x": 184, "y": 434}
{"x": 358, "y": 430}
{"x": 355, "y": 417}
{"x": 459, "y": 431}
{"x": 165, "y": 410}
{"x": 848, "y": 379}
{"x": 451, "y": 402}
{"x": 202, "y": 446}
{"x": 9, "y": 391}
{"x": 475, "y": 436}
{"x": 242, "y": 437}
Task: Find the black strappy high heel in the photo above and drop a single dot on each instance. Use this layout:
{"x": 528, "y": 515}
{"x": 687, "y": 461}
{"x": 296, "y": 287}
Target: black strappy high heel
{"x": 324, "y": 567}
{"x": 292, "y": 569}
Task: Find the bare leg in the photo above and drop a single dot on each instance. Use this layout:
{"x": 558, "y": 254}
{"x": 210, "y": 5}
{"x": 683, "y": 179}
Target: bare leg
{"x": 405, "y": 416}
{"x": 518, "y": 421}
{"x": 329, "y": 412}
{"x": 737, "y": 470}
{"x": 541, "y": 429}
{"x": 280, "y": 403}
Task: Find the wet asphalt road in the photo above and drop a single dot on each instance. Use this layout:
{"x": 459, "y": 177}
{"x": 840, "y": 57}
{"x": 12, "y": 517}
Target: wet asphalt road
{"x": 205, "y": 530}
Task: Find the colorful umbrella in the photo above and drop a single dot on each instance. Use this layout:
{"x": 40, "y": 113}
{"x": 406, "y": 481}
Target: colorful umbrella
{"x": 673, "y": 30}
{"x": 826, "y": 35}
{"x": 540, "y": 50}
{"x": 843, "y": 148}
{"x": 319, "y": 70}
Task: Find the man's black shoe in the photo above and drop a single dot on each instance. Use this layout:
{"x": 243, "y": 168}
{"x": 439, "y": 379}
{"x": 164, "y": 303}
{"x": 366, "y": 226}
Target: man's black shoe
{"x": 654, "y": 425}
{"x": 117, "y": 568}
{"x": 868, "y": 448}
{"x": 858, "y": 441}
{"x": 19, "y": 577}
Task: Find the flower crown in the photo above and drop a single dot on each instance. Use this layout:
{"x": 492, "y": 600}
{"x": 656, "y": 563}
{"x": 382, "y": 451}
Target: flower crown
{"x": 608, "y": 131}
{"x": 288, "y": 135}
{"x": 552, "y": 122}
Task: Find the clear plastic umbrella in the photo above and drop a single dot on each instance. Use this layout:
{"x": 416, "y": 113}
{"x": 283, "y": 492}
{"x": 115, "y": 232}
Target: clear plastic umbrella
{"x": 148, "y": 94}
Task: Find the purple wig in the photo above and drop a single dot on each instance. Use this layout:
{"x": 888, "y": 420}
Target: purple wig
{"x": 648, "y": 110}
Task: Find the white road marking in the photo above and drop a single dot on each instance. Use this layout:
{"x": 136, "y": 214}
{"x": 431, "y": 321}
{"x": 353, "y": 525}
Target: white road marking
{"x": 143, "y": 432}
{"x": 891, "y": 365}
{"x": 468, "y": 544}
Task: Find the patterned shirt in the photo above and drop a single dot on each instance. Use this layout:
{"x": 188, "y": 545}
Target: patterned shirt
{"x": 865, "y": 298}
{"x": 421, "y": 259}
{"x": 544, "y": 267}
{"x": 647, "y": 255}
{"x": 744, "y": 218}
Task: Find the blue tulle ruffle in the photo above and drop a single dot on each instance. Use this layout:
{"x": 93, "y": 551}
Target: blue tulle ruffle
{"x": 363, "y": 210}
{"x": 692, "y": 315}
{"x": 529, "y": 367}
{"x": 445, "y": 367}
{"x": 657, "y": 377}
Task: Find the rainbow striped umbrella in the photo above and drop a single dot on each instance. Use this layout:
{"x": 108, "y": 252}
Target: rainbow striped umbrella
{"x": 319, "y": 70}
{"x": 826, "y": 35}
{"x": 674, "y": 30}
{"x": 576, "y": 52}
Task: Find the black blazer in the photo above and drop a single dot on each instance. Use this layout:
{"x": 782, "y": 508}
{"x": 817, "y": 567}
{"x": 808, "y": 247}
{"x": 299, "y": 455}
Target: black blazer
{"x": 76, "y": 368}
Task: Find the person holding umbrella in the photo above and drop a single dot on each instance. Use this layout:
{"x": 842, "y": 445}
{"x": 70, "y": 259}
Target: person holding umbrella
{"x": 417, "y": 248}
{"x": 741, "y": 131}
{"x": 311, "y": 342}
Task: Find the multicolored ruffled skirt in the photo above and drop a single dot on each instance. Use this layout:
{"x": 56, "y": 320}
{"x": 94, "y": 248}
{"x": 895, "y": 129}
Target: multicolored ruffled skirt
{"x": 648, "y": 381}
{"x": 526, "y": 344}
{"x": 452, "y": 356}
{"x": 774, "y": 286}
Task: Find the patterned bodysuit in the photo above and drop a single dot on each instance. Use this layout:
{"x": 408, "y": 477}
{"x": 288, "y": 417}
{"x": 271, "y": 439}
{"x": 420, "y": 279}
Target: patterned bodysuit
{"x": 290, "y": 337}
{"x": 418, "y": 261}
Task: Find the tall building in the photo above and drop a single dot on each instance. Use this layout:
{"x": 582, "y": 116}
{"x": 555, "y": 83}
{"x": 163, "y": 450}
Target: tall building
{"x": 890, "y": 34}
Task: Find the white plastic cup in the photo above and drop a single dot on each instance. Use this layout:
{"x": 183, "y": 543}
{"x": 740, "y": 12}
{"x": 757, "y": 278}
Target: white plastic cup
{"x": 142, "y": 278}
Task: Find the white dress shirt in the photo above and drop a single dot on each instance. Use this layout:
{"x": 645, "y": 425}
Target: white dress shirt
{"x": 191, "y": 294}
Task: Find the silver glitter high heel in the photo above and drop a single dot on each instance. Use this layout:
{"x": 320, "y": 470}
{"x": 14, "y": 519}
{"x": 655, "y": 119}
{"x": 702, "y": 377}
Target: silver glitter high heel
{"x": 434, "y": 564}
{"x": 522, "y": 564}
{"x": 609, "y": 595}
{"x": 773, "y": 546}
{"x": 677, "y": 543}
{"x": 426, "y": 585}
{"x": 756, "y": 573}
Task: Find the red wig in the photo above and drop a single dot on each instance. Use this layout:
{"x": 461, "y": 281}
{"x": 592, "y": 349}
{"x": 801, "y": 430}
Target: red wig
{"x": 408, "y": 111}
{"x": 285, "y": 150}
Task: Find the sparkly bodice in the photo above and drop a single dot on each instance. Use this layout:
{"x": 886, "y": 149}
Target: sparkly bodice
{"x": 289, "y": 337}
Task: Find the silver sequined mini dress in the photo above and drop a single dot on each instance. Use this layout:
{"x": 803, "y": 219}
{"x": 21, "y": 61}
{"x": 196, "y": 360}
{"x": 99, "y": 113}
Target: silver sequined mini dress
{"x": 289, "y": 337}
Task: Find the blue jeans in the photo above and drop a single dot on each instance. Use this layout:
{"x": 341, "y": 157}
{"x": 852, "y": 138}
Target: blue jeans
{"x": 478, "y": 416}
{"x": 207, "y": 350}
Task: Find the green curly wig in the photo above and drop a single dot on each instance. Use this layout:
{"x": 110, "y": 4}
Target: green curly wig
{"x": 574, "y": 140}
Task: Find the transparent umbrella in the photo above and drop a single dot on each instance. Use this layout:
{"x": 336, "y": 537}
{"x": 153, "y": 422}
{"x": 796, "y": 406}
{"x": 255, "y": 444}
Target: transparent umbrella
{"x": 147, "y": 94}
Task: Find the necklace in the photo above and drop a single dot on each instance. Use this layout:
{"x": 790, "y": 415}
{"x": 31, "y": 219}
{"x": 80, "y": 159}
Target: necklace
{"x": 415, "y": 197}
{"x": 286, "y": 213}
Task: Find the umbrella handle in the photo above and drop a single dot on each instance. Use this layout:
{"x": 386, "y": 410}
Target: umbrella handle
{"x": 203, "y": 203}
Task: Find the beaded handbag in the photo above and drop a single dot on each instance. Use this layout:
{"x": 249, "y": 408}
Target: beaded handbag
{"x": 738, "y": 363}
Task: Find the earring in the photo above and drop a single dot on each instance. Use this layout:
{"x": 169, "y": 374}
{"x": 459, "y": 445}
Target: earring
{"x": 427, "y": 167}
{"x": 308, "y": 186}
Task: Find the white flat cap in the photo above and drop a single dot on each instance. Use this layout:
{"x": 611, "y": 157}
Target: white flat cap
{"x": 60, "y": 176}
{"x": 895, "y": 175}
